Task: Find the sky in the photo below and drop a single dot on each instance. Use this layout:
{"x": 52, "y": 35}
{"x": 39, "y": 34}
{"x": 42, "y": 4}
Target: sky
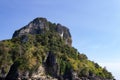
{"x": 94, "y": 25}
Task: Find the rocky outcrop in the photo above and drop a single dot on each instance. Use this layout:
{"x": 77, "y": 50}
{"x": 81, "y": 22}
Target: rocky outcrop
{"x": 2, "y": 73}
{"x": 40, "y": 26}
{"x": 13, "y": 73}
{"x": 39, "y": 74}
{"x": 51, "y": 65}
{"x": 37, "y": 26}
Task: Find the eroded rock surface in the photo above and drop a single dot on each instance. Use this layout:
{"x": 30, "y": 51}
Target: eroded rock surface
{"x": 40, "y": 26}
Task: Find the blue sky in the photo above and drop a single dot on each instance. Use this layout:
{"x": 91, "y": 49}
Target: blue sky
{"x": 94, "y": 24}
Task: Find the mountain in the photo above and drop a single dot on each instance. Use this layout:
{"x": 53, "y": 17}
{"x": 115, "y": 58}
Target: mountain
{"x": 43, "y": 50}
{"x": 41, "y": 26}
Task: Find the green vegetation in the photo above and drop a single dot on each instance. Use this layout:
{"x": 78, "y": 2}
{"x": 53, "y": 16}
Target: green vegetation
{"x": 33, "y": 52}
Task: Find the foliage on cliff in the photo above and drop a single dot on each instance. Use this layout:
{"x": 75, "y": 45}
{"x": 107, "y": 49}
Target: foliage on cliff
{"x": 31, "y": 51}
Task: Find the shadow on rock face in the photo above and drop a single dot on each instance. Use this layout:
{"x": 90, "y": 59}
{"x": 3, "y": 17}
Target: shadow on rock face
{"x": 51, "y": 65}
{"x": 13, "y": 72}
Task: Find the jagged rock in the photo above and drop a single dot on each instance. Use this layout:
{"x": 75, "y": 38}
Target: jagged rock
{"x": 13, "y": 73}
{"x": 39, "y": 74}
{"x": 37, "y": 26}
{"x": 64, "y": 33}
{"x": 40, "y": 26}
{"x": 51, "y": 65}
{"x": 51, "y": 59}
{"x": 3, "y": 73}
{"x": 68, "y": 74}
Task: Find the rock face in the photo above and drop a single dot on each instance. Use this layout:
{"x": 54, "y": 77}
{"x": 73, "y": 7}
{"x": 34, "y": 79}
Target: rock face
{"x": 51, "y": 65}
{"x": 40, "y": 26}
{"x": 3, "y": 73}
{"x": 13, "y": 73}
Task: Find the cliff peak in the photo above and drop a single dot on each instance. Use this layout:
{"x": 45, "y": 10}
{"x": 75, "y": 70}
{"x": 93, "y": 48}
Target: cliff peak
{"x": 42, "y": 25}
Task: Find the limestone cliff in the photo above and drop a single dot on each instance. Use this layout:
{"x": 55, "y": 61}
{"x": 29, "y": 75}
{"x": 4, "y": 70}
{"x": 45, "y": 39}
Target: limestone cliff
{"x": 42, "y": 25}
{"x": 43, "y": 50}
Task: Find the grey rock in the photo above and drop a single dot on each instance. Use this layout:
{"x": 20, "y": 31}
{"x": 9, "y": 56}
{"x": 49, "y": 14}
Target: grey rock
{"x": 51, "y": 65}
{"x": 15, "y": 74}
{"x": 40, "y": 26}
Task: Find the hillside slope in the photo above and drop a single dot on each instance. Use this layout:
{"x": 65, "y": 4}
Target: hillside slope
{"x": 43, "y": 50}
